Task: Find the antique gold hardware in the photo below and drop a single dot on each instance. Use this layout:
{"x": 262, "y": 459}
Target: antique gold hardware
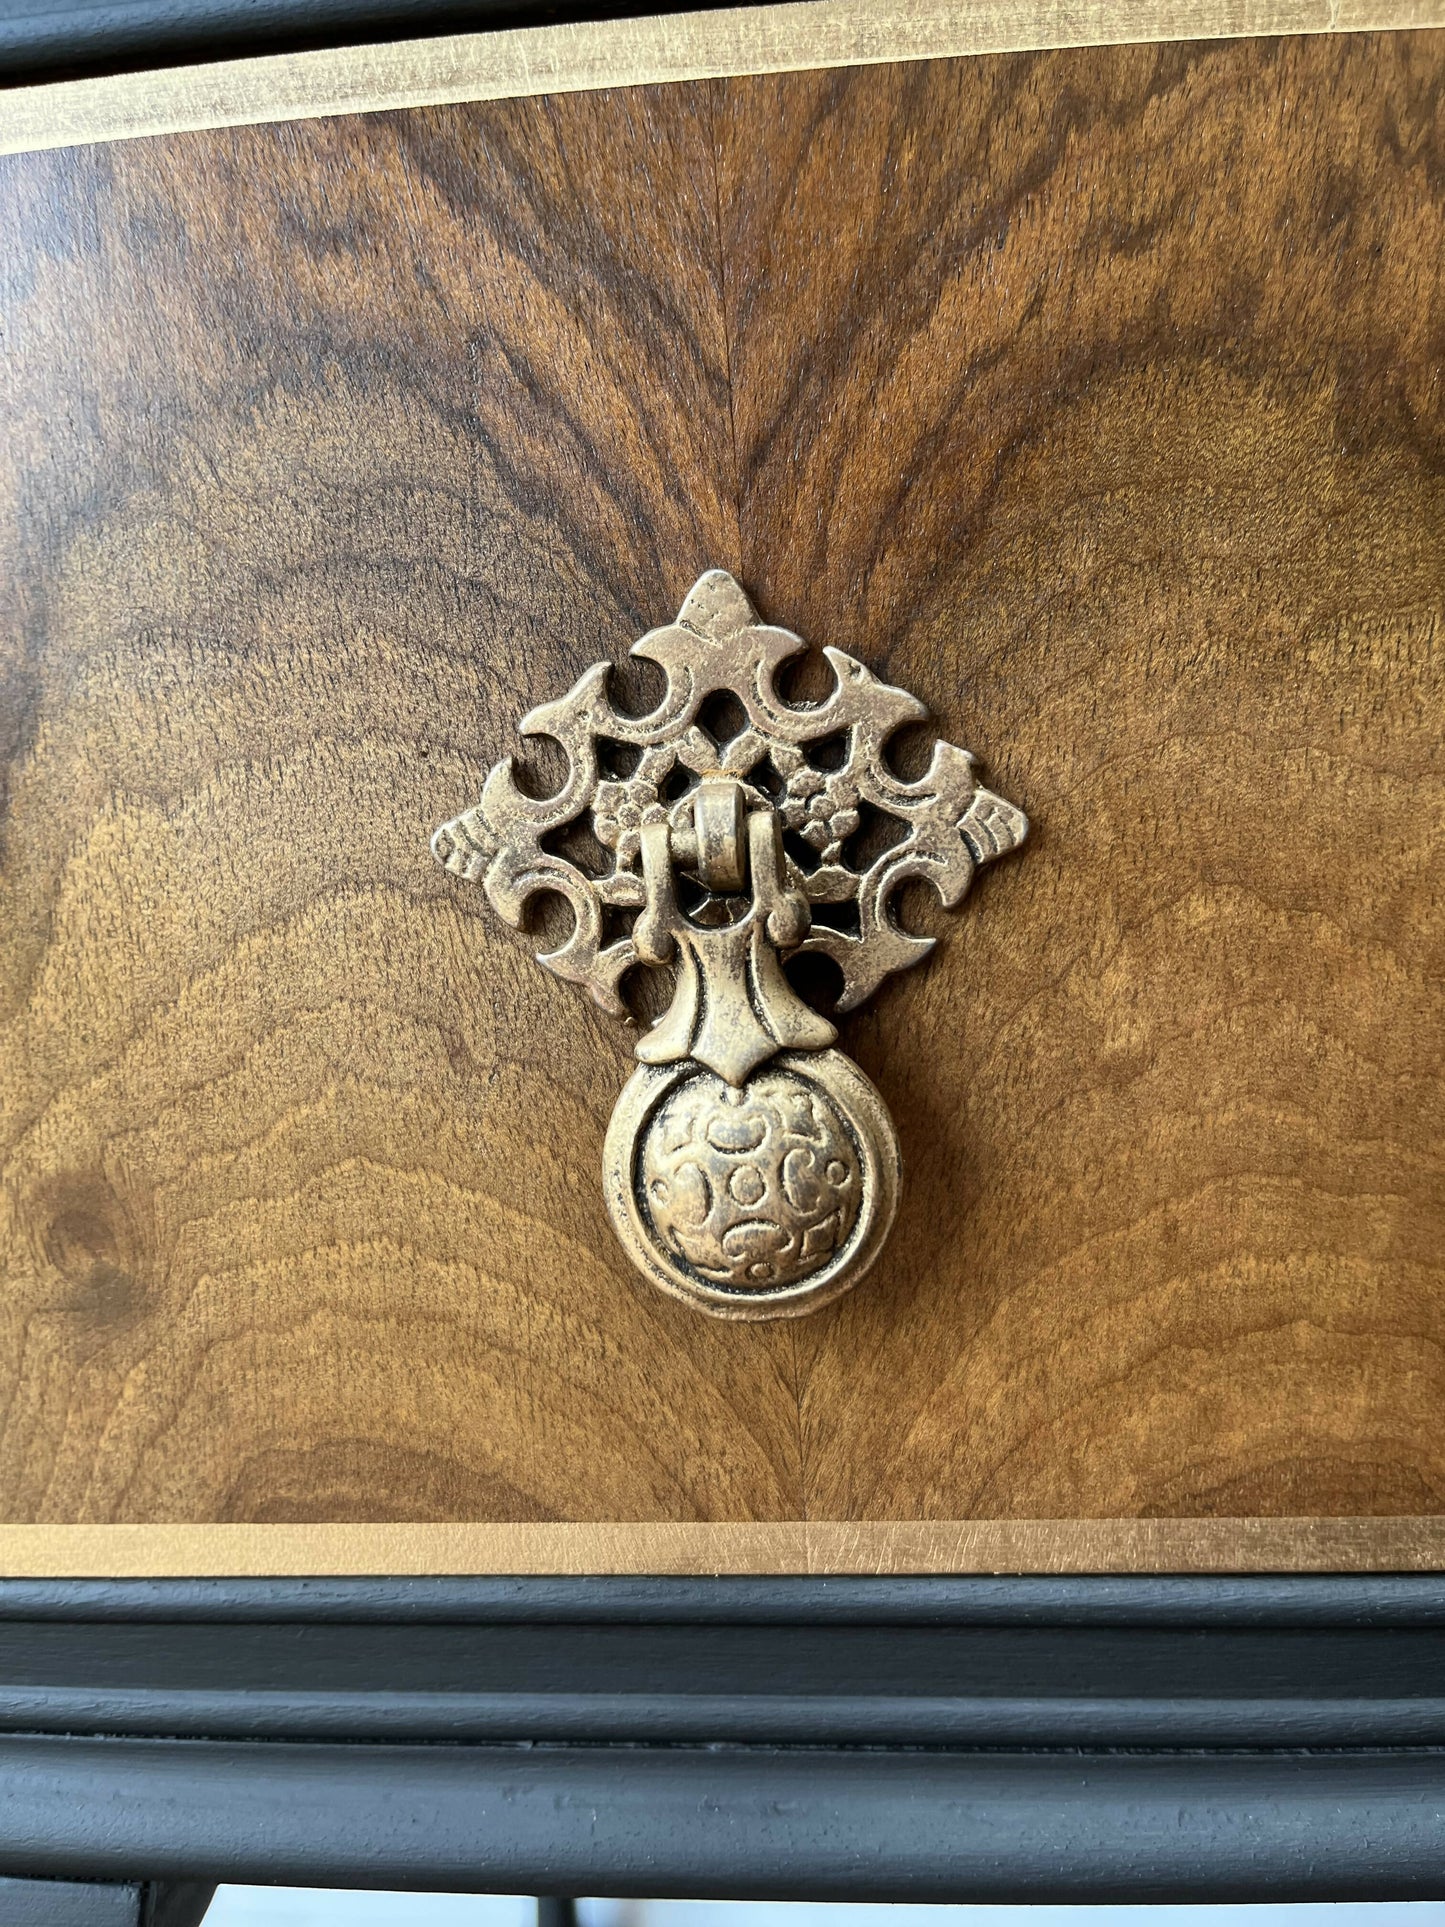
{"x": 749, "y": 1168}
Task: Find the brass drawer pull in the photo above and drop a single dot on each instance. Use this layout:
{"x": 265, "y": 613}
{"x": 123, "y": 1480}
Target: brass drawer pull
{"x": 750, "y": 1168}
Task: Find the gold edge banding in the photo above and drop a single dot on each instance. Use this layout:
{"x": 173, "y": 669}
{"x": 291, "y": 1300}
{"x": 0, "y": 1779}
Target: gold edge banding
{"x": 917, "y": 1546}
{"x": 629, "y": 53}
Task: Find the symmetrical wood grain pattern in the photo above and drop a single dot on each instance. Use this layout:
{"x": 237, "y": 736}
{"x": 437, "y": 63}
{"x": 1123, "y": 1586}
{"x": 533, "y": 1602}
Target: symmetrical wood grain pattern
{"x": 1094, "y": 395}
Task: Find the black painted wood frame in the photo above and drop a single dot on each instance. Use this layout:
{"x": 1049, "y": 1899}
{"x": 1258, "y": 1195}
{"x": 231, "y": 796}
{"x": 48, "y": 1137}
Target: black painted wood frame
{"x": 903, "y": 1739}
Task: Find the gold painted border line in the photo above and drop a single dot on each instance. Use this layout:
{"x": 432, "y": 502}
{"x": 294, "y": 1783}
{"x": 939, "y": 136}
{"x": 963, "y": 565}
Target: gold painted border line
{"x": 914, "y": 1546}
{"x": 642, "y": 52}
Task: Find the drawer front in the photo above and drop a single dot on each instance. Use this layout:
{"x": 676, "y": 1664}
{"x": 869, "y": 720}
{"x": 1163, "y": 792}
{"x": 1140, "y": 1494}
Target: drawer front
{"x": 1094, "y": 395}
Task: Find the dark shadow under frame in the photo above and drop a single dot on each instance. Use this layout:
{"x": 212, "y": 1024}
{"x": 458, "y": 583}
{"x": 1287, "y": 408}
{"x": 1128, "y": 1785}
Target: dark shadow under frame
{"x": 42, "y": 40}
{"x": 902, "y": 1739}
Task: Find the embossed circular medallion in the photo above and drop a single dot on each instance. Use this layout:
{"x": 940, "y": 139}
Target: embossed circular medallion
{"x": 751, "y": 1187}
{"x": 760, "y": 1199}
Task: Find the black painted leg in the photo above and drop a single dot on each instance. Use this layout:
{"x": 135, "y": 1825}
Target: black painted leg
{"x": 175, "y": 1903}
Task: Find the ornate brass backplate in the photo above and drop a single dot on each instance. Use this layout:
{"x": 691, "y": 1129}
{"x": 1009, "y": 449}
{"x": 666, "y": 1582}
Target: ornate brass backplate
{"x": 750, "y": 1168}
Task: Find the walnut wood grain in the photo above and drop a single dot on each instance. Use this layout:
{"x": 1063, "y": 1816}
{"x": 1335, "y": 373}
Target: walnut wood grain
{"x": 1111, "y": 413}
{"x": 1094, "y": 395}
{"x": 329, "y": 445}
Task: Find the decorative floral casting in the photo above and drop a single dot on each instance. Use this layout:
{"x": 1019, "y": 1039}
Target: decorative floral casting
{"x": 622, "y": 805}
{"x": 821, "y": 807}
{"x": 948, "y": 823}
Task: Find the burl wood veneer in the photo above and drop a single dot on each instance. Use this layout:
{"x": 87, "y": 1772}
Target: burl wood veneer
{"x": 1097, "y": 397}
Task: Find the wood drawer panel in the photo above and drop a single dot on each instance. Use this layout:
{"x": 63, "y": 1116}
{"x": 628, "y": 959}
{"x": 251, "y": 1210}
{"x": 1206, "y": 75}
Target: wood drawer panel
{"x": 1093, "y": 394}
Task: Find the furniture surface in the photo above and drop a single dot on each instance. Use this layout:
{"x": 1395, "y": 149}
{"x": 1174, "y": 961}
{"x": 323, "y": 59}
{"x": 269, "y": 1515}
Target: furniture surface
{"x": 1095, "y": 394}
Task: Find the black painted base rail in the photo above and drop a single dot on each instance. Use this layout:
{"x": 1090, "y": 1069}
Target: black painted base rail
{"x": 737, "y": 1822}
{"x": 914, "y": 1739}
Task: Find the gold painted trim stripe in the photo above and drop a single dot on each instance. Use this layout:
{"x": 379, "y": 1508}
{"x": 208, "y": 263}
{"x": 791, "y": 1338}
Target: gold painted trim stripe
{"x": 642, "y": 52}
{"x": 917, "y": 1546}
